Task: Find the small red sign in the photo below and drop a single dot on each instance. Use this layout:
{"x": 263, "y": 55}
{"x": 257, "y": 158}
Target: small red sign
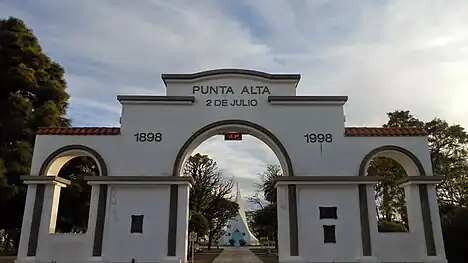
{"x": 233, "y": 136}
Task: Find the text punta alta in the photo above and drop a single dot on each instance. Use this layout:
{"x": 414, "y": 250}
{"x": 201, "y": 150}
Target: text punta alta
{"x": 254, "y": 90}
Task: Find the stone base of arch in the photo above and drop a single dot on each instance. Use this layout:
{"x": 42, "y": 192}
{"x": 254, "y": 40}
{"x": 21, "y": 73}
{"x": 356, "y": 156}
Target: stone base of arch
{"x": 312, "y": 192}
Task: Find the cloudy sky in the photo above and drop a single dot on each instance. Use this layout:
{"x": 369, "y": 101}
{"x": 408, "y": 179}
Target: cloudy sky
{"x": 385, "y": 55}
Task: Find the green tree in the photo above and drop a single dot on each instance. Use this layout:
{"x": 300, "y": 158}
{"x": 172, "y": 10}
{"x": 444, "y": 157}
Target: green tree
{"x": 222, "y": 210}
{"x": 32, "y": 94}
{"x": 73, "y": 210}
{"x": 390, "y": 198}
{"x": 209, "y": 197}
{"x": 448, "y": 145}
{"x": 449, "y": 154}
{"x": 267, "y": 182}
{"x": 264, "y": 223}
{"x": 198, "y": 223}
{"x": 455, "y": 231}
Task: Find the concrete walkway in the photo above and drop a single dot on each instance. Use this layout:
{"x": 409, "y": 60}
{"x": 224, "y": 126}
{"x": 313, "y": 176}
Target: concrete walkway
{"x": 237, "y": 255}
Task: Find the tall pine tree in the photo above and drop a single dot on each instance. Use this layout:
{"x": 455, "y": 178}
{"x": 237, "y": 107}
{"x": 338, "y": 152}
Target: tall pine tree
{"x": 32, "y": 94}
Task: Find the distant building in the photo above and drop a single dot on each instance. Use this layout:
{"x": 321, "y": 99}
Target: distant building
{"x": 237, "y": 229}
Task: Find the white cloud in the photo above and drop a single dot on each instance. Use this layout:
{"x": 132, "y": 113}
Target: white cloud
{"x": 385, "y": 55}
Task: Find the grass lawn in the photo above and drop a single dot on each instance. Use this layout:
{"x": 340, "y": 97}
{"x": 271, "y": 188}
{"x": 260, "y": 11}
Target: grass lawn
{"x": 206, "y": 256}
{"x": 263, "y": 256}
{"x": 7, "y": 259}
{"x": 201, "y": 257}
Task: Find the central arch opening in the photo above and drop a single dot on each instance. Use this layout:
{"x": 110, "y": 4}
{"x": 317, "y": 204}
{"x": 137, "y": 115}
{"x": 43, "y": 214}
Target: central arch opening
{"x": 187, "y": 163}
{"x": 228, "y": 126}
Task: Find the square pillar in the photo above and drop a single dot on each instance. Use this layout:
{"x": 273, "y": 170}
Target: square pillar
{"x": 92, "y": 233}
{"x": 50, "y": 207}
{"x": 371, "y": 223}
{"x": 39, "y": 201}
{"x": 436, "y": 223}
{"x": 182, "y": 220}
{"x": 283, "y": 220}
{"x": 423, "y": 216}
{"x": 27, "y": 220}
{"x": 413, "y": 207}
{"x": 93, "y": 206}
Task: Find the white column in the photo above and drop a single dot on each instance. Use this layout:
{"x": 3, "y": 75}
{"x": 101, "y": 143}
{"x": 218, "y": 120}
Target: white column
{"x": 283, "y": 221}
{"x": 50, "y": 207}
{"x": 48, "y": 217}
{"x": 93, "y": 207}
{"x": 436, "y": 224}
{"x": 413, "y": 207}
{"x": 182, "y": 221}
{"x": 27, "y": 220}
{"x": 372, "y": 214}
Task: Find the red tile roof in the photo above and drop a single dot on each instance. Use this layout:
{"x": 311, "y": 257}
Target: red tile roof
{"x": 349, "y": 131}
{"x": 80, "y": 131}
{"x": 374, "y": 132}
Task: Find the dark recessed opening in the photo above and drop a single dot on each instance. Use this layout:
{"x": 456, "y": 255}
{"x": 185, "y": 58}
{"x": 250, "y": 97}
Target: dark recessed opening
{"x": 329, "y": 235}
{"x": 136, "y": 224}
{"x": 328, "y": 212}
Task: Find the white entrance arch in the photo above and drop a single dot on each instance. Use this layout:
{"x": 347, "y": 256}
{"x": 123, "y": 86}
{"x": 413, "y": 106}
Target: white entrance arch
{"x": 326, "y": 213}
{"x": 287, "y": 215}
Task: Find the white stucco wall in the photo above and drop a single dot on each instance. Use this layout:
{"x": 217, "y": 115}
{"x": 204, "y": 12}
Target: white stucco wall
{"x": 348, "y": 231}
{"x": 125, "y": 201}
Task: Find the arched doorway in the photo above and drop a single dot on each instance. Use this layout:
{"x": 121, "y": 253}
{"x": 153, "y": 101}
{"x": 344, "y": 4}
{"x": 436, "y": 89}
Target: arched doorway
{"x": 51, "y": 167}
{"x": 245, "y": 127}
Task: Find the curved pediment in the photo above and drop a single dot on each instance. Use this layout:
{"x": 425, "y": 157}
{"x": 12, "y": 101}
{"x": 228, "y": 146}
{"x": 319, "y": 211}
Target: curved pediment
{"x": 229, "y": 71}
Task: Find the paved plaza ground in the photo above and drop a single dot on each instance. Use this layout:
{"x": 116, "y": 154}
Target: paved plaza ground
{"x": 229, "y": 254}
{"x": 238, "y": 255}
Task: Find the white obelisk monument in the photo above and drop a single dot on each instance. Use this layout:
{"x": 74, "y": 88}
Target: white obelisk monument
{"x": 238, "y": 231}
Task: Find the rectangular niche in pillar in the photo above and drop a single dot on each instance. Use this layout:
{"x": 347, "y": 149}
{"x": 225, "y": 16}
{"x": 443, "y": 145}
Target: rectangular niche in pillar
{"x": 329, "y": 235}
{"x": 136, "y": 225}
{"x": 328, "y": 212}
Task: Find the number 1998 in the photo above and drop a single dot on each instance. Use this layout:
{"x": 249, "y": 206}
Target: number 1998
{"x": 318, "y": 137}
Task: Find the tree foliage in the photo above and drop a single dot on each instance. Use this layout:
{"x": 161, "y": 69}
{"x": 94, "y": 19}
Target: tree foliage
{"x": 267, "y": 182}
{"x": 210, "y": 205}
{"x": 448, "y": 150}
{"x": 455, "y": 232}
{"x": 73, "y": 210}
{"x": 32, "y": 94}
{"x": 448, "y": 146}
{"x": 264, "y": 222}
{"x": 390, "y": 198}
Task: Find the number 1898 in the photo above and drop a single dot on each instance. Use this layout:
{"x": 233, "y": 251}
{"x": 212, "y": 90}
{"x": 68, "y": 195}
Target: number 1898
{"x": 148, "y": 137}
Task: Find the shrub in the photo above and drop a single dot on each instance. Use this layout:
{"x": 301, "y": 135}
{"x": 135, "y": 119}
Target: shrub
{"x": 386, "y": 226}
{"x": 232, "y": 242}
{"x": 242, "y": 242}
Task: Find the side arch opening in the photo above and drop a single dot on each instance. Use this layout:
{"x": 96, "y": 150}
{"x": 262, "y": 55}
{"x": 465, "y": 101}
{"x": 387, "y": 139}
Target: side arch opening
{"x": 393, "y": 163}
{"x": 71, "y": 163}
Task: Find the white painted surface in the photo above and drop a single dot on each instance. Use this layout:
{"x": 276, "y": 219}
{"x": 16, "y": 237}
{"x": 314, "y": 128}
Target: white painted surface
{"x": 239, "y": 223}
{"x": 125, "y": 201}
{"x": 177, "y": 123}
{"x": 348, "y": 233}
